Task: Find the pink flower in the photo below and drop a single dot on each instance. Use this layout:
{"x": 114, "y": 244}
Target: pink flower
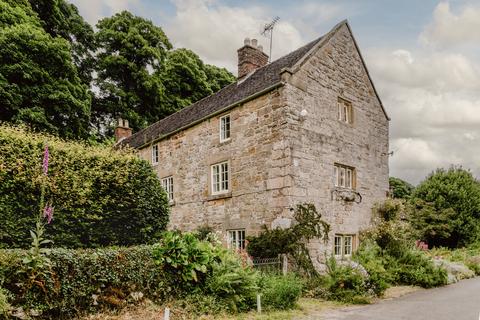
{"x": 45, "y": 160}
{"x": 48, "y": 213}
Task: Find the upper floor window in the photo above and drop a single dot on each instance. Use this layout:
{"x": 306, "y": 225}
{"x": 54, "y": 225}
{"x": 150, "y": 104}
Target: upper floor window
{"x": 236, "y": 239}
{"x": 343, "y": 245}
{"x": 345, "y": 111}
{"x": 344, "y": 176}
{"x": 167, "y": 184}
{"x": 155, "y": 154}
{"x": 220, "y": 178}
{"x": 225, "y": 128}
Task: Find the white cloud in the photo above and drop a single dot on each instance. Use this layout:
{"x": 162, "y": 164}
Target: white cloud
{"x": 93, "y": 10}
{"x": 448, "y": 28}
{"x": 215, "y": 31}
{"x": 434, "y": 102}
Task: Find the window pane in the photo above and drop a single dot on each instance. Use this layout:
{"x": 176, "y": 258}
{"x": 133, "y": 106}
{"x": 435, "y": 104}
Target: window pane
{"x": 335, "y": 175}
{"x": 342, "y": 177}
{"x": 349, "y": 178}
{"x": 338, "y": 246}
{"x": 347, "y": 245}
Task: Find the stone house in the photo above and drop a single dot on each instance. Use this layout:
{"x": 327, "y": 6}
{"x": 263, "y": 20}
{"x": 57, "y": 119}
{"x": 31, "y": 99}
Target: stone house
{"x": 306, "y": 128}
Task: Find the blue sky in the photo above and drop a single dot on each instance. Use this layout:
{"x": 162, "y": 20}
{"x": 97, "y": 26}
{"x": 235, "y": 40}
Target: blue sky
{"x": 423, "y": 55}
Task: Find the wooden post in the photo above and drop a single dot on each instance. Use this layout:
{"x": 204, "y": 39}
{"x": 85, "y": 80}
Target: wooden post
{"x": 166, "y": 315}
{"x": 284, "y": 264}
{"x": 259, "y": 303}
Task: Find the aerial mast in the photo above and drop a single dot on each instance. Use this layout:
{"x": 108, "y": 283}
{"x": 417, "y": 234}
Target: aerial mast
{"x": 268, "y": 31}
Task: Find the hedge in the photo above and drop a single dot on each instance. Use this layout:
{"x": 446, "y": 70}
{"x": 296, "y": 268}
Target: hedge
{"x": 81, "y": 281}
{"x": 101, "y": 196}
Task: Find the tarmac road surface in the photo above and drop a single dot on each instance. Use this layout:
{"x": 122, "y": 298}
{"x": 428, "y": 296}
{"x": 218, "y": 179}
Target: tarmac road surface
{"x": 459, "y": 301}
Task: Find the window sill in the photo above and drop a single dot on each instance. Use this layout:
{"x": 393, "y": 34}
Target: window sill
{"x": 223, "y": 142}
{"x": 219, "y": 196}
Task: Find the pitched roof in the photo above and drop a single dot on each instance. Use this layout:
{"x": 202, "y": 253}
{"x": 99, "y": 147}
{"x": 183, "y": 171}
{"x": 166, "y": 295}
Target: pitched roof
{"x": 260, "y": 80}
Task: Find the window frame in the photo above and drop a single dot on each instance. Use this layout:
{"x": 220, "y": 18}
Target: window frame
{"x": 343, "y": 248}
{"x": 155, "y": 154}
{"x": 344, "y": 176}
{"x": 168, "y": 186}
{"x": 225, "y": 128}
{"x": 239, "y": 237}
{"x": 344, "y": 111}
{"x": 221, "y": 186}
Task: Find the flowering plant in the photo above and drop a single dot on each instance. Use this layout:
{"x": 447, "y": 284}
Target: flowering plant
{"x": 36, "y": 260}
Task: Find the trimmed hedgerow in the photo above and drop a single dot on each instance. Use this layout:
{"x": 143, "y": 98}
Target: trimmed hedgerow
{"x": 82, "y": 280}
{"x": 101, "y": 196}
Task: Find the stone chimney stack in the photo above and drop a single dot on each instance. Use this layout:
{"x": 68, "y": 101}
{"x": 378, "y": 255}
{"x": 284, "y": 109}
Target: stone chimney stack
{"x": 250, "y": 57}
{"x": 122, "y": 130}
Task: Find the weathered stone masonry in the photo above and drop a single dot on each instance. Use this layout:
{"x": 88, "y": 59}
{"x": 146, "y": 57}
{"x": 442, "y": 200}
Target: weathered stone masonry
{"x": 283, "y": 147}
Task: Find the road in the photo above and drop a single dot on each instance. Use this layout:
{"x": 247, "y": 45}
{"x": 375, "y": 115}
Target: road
{"x": 459, "y": 301}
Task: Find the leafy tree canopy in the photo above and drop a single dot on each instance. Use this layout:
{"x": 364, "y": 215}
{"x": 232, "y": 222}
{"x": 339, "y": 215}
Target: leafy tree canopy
{"x": 448, "y": 208}
{"x": 133, "y": 51}
{"x": 39, "y": 83}
{"x": 61, "y": 19}
{"x": 401, "y": 189}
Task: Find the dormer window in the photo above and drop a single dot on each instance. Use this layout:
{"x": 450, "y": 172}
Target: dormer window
{"x": 225, "y": 128}
{"x": 155, "y": 154}
{"x": 344, "y": 111}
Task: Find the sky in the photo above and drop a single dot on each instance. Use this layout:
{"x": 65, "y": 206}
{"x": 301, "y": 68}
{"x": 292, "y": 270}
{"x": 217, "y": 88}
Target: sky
{"x": 423, "y": 56}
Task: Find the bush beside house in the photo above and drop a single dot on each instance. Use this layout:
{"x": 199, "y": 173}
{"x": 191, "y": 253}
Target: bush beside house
{"x": 101, "y": 197}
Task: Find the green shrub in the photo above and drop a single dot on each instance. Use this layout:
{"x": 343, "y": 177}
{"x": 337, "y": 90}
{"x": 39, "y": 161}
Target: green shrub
{"x": 196, "y": 266}
{"x": 83, "y": 280}
{"x": 280, "y": 292}
{"x": 369, "y": 256}
{"x": 101, "y": 197}
{"x": 233, "y": 283}
{"x": 308, "y": 225}
{"x": 344, "y": 283}
{"x": 448, "y": 208}
{"x": 4, "y": 305}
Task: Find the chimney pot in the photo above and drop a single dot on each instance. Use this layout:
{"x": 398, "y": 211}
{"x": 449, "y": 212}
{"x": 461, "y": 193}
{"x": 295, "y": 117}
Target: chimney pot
{"x": 122, "y": 130}
{"x": 250, "y": 57}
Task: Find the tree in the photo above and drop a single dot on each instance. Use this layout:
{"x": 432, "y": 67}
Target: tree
{"x": 141, "y": 79}
{"x": 39, "y": 83}
{"x": 400, "y": 188}
{"x": 61, "y": 19}
{"x": 447, "y": 209}
{"x": 132, "y": 51}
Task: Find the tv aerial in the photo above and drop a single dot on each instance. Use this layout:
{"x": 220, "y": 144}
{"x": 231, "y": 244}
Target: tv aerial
{"x": 268, "y": 31}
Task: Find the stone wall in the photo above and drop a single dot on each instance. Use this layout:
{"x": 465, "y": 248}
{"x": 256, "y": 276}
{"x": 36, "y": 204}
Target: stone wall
{"x": 280, "y": 158}
{"x": 256, "y": 167}
{"x": 319, "y": 140}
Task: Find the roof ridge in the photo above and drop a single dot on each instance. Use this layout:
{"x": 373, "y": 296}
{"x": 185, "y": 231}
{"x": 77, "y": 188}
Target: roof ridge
{"x": 261, "y": 79}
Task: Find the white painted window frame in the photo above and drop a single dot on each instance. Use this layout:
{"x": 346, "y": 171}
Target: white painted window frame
{"x": 155, "y": 154}
{"x": 222, "y": 171}
{"x": 343, "y": 245}
{"x": 167, "y": 184}
{"x": 236, "y": 239}
{"x": 343, "y": 176}
{"x": 344, "y": 111}
{"x": 225, "y": 123}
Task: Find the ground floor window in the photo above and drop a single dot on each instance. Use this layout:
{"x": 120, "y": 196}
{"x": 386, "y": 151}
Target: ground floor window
{"x": 167, "y": 184}
{"x": 343, "y": 245}
{"x": 236, "y": 239}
